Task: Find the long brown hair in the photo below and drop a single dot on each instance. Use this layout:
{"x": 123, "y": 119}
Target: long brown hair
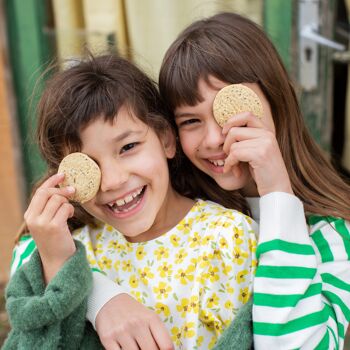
{"x": 235, "y": 50}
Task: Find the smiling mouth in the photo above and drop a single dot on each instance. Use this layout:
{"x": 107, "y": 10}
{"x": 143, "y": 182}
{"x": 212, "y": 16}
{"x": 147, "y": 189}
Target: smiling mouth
{"x": 129, "y": 202}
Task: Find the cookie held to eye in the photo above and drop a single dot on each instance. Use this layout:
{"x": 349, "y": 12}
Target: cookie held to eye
{"x": 234, "y": 99}
{"x": 83, "y": 174}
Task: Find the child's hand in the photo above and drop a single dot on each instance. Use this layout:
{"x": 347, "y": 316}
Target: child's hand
{"x": 249, "y": 140}
{"x": 46, "y": 219}
{"x": 124, "y": 323}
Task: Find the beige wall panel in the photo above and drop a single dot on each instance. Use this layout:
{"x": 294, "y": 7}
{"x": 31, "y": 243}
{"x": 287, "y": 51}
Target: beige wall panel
{"x": 122, "y": 32}
{"x": 154, "y": 24}
{"x": 69, "y": 25}
{"x": 101, "y": 21}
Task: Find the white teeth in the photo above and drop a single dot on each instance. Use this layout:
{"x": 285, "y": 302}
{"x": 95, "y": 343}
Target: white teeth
{"x": 219, "y": 162}
{"x": 120, "y": 202}
{"x": 129, "y": 199}
{"x": 126, "y": 199}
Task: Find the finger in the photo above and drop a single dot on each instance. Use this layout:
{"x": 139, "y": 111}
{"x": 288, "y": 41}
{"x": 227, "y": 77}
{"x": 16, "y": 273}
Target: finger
{"x": 234, "y": 169}
{"x": 65, "y": 212}
{"x": 52, "y": 206}
{"x": 161, "y": 336}
{"x": 239, "y": 153}
{"x": 52, "y": 181}
{"x": 111, "y": 345}
{"x": 128, "y": 343}
{"x": 237, "y": 134}
{"x": 243, "y": 119}
{"x": 42, "y": 196}
{"x": 145, "y": 340}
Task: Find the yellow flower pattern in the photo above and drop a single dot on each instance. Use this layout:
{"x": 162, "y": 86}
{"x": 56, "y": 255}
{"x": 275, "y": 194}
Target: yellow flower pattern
{"x": 195, "y": 277}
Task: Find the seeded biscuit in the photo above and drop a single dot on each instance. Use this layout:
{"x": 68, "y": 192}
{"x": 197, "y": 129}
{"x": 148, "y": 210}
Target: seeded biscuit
{"x": 83, "y": 174}
{"x": 234, "y": 99}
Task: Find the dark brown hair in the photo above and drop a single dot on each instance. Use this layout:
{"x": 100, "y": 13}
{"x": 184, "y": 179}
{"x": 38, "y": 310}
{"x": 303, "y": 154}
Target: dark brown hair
{"x": 235, "y": 50}
{"x": 96, "y": 87}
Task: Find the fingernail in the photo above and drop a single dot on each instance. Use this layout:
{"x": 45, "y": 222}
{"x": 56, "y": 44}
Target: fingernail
{"x": 60, "y": 174}
{"x": 70, "y": 189}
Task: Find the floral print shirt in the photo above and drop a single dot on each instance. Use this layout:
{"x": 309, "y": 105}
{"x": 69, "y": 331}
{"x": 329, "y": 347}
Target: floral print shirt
{"x": 195, "y": 276}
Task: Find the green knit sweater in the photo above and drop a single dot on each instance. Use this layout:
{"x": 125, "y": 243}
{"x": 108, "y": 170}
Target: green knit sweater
{"x": 53, "y": 317}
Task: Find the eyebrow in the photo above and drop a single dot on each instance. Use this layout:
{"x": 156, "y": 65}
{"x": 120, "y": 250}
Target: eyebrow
{"x": 180, "y": 115}
{"x": 126, "y": 134}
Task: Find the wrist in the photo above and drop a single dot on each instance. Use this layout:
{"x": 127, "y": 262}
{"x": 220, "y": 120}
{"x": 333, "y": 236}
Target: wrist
{"x": 52, "y": 264}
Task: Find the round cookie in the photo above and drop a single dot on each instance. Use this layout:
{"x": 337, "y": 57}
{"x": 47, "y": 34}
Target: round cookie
{"x": 234, "y": 99}
{"x": 83, "y": 174}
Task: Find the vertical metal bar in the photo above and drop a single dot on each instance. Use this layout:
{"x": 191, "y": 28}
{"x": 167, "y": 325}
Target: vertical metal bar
{"x": 317, "y": 104}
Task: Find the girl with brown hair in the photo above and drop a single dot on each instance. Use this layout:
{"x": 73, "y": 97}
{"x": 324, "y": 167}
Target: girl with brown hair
{"x": 302, "y": 284}
{"x": 177, "y": 255}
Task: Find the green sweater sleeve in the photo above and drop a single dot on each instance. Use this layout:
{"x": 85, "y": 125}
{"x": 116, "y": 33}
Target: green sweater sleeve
{"x": 52, "y": 316}
{"x": 239, "y": 334}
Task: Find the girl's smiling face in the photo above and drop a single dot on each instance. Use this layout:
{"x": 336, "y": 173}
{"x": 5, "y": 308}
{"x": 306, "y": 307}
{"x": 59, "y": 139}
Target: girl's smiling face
{"x": 202, "y": 139}
{"x": 135, "y": 193}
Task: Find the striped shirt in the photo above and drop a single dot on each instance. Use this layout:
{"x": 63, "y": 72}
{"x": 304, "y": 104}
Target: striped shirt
{"x": 302, "y": 283}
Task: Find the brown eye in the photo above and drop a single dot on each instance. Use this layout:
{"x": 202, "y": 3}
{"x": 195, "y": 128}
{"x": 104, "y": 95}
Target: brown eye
{"x": 189, "y": 122}
{"x": 128, "y": 147}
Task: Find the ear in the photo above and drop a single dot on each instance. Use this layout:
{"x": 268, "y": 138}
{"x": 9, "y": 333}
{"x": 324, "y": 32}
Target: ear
{"x": 168, "y": 140}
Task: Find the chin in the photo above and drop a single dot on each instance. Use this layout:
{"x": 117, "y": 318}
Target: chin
{"x": 135, "y": 233}
{"x": 229, "y": 186}
{"x": 232, "y": 183}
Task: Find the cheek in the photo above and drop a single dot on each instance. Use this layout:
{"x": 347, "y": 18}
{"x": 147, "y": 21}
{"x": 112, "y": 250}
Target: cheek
{"x": 153, "y": 166}
{"x": 189, "y": 143}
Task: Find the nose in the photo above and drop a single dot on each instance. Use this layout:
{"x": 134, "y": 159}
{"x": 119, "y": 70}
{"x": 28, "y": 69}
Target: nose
{"x": 213, "y": 138}
{"x": 113, "y": 177}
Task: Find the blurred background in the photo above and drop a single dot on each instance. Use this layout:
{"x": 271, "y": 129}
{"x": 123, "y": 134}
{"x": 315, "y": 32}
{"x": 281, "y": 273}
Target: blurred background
{"x": 312, "y": 37}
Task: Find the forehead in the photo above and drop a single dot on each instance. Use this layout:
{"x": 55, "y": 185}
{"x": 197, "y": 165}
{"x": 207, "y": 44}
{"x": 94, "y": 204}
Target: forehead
{"x": 102, "y": 128}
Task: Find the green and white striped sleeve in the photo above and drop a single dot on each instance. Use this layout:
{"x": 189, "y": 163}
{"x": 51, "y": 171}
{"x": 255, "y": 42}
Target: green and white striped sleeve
{"x": 22, "y": 252}
{"x": 302, "y": 284}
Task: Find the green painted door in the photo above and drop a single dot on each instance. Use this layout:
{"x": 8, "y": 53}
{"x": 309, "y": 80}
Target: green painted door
{"x": 30, "y": 49}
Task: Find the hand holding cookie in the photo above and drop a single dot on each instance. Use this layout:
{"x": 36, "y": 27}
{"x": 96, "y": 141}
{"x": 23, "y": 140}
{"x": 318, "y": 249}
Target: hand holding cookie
{"x": 248, "y": 139}
{"x": 46, "y": 219}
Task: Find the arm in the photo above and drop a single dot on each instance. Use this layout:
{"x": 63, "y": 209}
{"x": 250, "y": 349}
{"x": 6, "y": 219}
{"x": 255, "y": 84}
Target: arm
{"x": 53, "y": 315}
{"x": 300, "y": 278}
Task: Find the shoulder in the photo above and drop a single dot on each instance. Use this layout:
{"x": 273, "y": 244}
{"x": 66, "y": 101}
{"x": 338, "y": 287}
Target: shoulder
{"x": 223, "y": 222}
{"x": 213, "y": 211}
{"x": 331, "y": 237}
